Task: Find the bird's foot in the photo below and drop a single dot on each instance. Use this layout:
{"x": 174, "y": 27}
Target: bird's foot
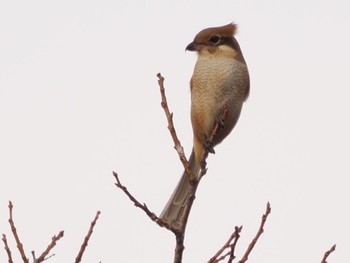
{"x": 209, "y": 146}
{"x": 203, "y": 164}
{"x": 220, "y": 120}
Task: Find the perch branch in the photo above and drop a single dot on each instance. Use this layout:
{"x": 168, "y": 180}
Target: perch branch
{"x": 324, "y": 260}
{"x": 43, "y": 256}
{"x": 194, "y": 179}
{"x": 87, "y": 238}
{"x": 179, "y": 232}
{"x": 258, "y": 234}
{"x": 177, "y": 144}
{"x": 178, "y": 147}
{"x": 14, "y": 232}
{"x": 7, "y": 248}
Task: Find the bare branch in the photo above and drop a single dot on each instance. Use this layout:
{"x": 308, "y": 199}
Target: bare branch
{"x": 324, "y": 260}
{"x": 87, "y": 238}
{"x": 180, "y": 232}
{"x": 178, "y": 147}
{"x": 192, "y": 178}
{"x": 14, "y": 232}
{"x": 7, "y": 248}
{"x": 258, "y": 234}
{"x": 234, "y": 236}
{"x": 43, "y": 256}
{"x": 144, "y": 207}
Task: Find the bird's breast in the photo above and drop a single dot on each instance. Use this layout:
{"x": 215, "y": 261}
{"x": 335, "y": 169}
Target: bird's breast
{"x": 217, "y": 80}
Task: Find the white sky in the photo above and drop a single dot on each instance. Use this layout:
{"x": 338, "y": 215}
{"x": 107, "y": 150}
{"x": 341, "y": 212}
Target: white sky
{"x": 79, "y": 99}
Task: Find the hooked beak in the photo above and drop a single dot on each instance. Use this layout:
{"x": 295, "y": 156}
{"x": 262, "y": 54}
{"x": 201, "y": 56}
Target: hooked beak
{"x": 191, "y": 46}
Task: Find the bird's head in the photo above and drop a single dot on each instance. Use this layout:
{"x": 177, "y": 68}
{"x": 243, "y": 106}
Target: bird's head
{"x": 215, "y": 39}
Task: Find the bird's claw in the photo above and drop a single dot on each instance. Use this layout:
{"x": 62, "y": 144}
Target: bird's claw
{"x": 209, "y": 146}
{"x": 221, "y": 122}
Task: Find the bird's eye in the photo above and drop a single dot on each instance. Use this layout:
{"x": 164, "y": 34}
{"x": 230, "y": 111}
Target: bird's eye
{"x": 214, "y": 40}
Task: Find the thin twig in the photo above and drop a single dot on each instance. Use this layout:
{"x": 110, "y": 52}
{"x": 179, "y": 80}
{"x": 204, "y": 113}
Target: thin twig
{"x": 43, "y": 255}
{"x": 144, "y": 207}
{"x": 233, "y": 245}
{"x": 14, "y": 232}
{"x": 234, "y": 236}
{"x": 258, "y": 234}
{"x": 87, "y": 238}
{"x": 7, "y": 248}
{"x": 35, "y": 260}
{"x": 179, "y": 233}
{"x": 177, "y": 144}
{"x": 324, "y": 260}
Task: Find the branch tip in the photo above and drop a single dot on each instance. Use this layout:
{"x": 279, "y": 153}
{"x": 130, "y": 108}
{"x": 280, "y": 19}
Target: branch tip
{"x": 15, "y": 235}
{"x": 7, "y": 248}
{"x": 258, "y": 234}
{"x": 87, "y": 237}
{"x": 330, "y": 251}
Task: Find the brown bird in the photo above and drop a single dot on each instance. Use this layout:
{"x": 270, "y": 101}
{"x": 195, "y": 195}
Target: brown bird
{"x": 220, "y": 80}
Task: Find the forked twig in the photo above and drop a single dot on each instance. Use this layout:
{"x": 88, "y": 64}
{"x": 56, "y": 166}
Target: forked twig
{"x": 233, "y": 246}
{"x": 178, "y": 231}
{"x": 228, "y": 245}
{"x": 43, "y": 256}
{"x": 179, "y": 234}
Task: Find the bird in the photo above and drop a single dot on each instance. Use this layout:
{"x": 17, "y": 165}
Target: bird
{"x": 220, "y": 82}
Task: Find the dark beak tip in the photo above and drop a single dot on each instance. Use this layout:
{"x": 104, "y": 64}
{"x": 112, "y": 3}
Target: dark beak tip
{"x": 191, "y": 47}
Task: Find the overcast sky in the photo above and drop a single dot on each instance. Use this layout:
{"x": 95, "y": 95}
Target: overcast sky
{"x": 79, "y": 99}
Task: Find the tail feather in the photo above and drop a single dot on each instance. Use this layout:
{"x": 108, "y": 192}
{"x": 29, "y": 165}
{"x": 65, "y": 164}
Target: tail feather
{"x": 175, "y": 207}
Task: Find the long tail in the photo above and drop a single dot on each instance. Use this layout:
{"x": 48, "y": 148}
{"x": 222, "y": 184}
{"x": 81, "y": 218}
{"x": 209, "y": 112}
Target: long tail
{"x": 174, "y": 209}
